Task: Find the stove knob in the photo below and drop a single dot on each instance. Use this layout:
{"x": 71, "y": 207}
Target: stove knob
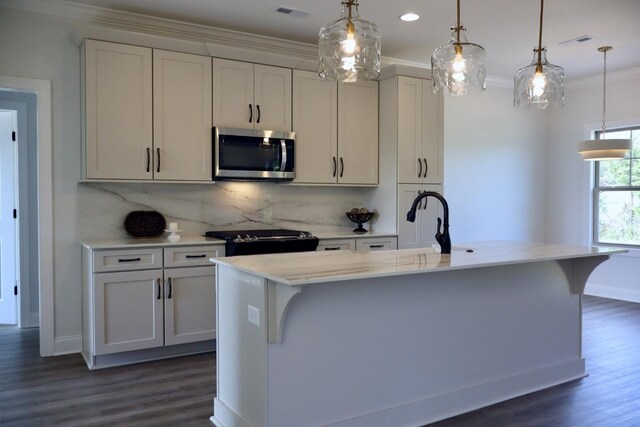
{"x": 238, "y": 238}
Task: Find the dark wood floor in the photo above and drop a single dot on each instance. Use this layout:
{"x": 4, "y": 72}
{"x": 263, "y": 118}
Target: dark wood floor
{"x": 60, "y": 391}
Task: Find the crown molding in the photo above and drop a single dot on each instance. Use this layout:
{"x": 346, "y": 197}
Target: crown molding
{"x": 138, "y": 23}
{"x": 612, "y": 77}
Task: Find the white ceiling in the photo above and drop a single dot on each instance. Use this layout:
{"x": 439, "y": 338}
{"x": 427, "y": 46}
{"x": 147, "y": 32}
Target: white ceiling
{"x": 507, "y": 29}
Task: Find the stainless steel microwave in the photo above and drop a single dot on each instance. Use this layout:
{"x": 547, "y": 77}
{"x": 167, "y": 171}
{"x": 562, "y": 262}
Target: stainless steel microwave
{"x": 247, "y": 154}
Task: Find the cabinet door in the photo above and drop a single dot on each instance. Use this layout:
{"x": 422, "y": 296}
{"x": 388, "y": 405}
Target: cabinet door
{"x": 190, "y": 305}
{"x": 128, "y": 311}
{"x": 411, "y": 166}
{"x": 315, "y": 122}
{"x": 272, "y": 97}
{"x": 358, "y": 133}
{"x": 432, "y": 138}
{"x": 420, "y": 233}
{"x": 118, "y": 111}
{"x": 233, "y": 94}
{"x": 182, "y": 116}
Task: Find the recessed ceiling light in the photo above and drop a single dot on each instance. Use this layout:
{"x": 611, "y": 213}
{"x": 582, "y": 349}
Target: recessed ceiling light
{"x": 408, "y": 17}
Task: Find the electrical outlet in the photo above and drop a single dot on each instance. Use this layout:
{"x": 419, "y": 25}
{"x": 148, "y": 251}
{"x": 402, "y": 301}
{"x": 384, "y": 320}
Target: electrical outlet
{"x": 254, "y": 315}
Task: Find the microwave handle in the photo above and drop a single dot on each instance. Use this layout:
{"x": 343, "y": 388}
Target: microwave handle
{"x": 283, "y": 147}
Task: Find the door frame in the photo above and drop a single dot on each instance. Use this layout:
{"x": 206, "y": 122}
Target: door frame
{"x": 42, "y": 89}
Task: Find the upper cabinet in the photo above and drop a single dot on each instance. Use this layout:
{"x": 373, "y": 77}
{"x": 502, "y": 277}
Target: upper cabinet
{"x": 419, "y": 133}
{"x": 147, "y": 114}
{"x": 251, "y": 96}
{"x": 336, "y": 128}
{"x": 182, "y": 116}
{"x": 118, "y": 111}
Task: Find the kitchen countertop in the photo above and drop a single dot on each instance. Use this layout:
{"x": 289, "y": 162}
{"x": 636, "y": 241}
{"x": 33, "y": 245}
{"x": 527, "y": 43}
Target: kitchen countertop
{"x": 305, "y": 268}
{"x": 159, "y": 242}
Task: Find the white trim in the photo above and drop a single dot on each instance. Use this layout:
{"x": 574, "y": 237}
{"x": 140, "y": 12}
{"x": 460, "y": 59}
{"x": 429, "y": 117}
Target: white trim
{"x": 42, "y": 88}
{"x": 67, "y": 345}
{"x": 604, "y": 291}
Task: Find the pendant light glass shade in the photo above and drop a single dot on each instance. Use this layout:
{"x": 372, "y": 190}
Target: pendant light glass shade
{"x": 539, "y": 85}
{"x": 603, "y": 148}
{"x": 458, "y": 67}
{"x": 349, "y": 48}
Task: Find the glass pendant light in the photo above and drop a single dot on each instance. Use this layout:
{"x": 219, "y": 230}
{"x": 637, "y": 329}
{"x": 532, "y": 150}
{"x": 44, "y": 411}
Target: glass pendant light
{"x": 539, "y": 85}
{"x": 604, "y": 149}
{"x": 458, "y": 67}
{"x": 349, "y": 48}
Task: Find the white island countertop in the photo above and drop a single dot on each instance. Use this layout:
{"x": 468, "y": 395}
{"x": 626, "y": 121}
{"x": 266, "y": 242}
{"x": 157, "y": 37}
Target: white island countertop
{"x": 303, "y": 268}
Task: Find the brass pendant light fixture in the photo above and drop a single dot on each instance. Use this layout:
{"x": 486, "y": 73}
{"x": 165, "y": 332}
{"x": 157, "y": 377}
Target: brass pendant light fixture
{"x": 349, "y": 48}
{"x": 458, "y": 67}
{"x": 539, "y": 85}
{"x": 604, "y": 149}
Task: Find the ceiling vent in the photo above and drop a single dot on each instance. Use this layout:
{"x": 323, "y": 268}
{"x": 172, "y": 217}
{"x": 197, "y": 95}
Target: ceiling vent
{"x": 577, "y": 40}
{"x": 291, "y": 11}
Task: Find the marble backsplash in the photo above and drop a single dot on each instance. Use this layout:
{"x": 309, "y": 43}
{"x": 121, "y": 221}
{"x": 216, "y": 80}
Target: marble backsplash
{"x": 102, "y": 207}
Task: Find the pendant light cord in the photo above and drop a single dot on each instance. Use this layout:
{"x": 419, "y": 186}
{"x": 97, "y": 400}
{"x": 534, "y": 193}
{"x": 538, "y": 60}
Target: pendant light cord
{"x": 604, "y": 95}
{"x": 539, "y": 67}
{"x": 458, "y": 27}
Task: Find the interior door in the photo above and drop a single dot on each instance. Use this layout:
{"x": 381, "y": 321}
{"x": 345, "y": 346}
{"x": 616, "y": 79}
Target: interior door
{"x": 8, "y": 248}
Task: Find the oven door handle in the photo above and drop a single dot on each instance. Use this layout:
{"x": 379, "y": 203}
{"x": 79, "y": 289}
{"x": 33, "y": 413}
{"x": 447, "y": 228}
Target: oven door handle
{"x": 283, "y": 147}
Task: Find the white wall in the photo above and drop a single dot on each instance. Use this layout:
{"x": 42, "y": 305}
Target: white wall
{"x": 569, "y": 178}
{"x": 494, "y": 165}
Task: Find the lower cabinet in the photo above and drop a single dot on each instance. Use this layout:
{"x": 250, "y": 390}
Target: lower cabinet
{"x": 158, "y": 307}
{"x": 359, "y": 244}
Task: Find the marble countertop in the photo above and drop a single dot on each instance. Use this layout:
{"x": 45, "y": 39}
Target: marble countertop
{"x": 159, "y": 242}
{"x": 306, "y": 268}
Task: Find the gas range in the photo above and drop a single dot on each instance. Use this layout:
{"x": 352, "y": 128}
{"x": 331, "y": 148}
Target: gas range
{"x": 254, "y": 242}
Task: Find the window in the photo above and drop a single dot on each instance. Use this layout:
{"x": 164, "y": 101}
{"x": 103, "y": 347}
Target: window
{"x": 617, "y": 195}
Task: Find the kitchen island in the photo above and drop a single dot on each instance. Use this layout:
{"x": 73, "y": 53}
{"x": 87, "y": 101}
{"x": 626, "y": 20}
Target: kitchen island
{"x": 395, "y": 338}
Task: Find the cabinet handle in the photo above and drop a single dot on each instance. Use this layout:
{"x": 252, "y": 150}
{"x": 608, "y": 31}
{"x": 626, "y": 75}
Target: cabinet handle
{"x": 128, "y": 259}
{"x": 250, "y": 113}
{"x": 426, "y": 167}
{"x": 196, "y": 256}
{"x": 335, "y": 166}
{"x": 159, "y": 289}
{"x": 148, "y": 159}
{"x": 258, "y": 108}
{"x": 419, "y": 164}
{"x": 333, "y": 248}
{"x": 376, "y": 246}
{"x": 158, "y": 151}
{"x": 170, "y": 288}
{"x": 341, "y": 167}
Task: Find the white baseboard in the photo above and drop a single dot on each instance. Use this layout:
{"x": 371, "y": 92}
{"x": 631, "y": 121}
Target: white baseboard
{"x": 624, "y": 294}
{"x": 67, "y": 345}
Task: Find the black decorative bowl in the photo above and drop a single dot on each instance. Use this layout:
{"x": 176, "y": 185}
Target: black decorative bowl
{"x": 360, "y": 218}
{"x": 144, "y": 224}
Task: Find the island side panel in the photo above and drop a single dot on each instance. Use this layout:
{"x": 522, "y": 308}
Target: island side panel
{"x": 241, "y": 350}
{"x": 409, "y": 350}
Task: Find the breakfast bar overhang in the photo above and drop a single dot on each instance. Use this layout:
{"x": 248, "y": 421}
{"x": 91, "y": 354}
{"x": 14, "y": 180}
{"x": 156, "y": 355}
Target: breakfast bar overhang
{"x": 400, "y": 338}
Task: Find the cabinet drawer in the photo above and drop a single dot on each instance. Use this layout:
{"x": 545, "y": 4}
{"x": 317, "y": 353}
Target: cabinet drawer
{"x": 127, "y": 259}
{"x": 374, "y": 244}
{"x": 336, "y": 245}
{"x": 191, "y": 255}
